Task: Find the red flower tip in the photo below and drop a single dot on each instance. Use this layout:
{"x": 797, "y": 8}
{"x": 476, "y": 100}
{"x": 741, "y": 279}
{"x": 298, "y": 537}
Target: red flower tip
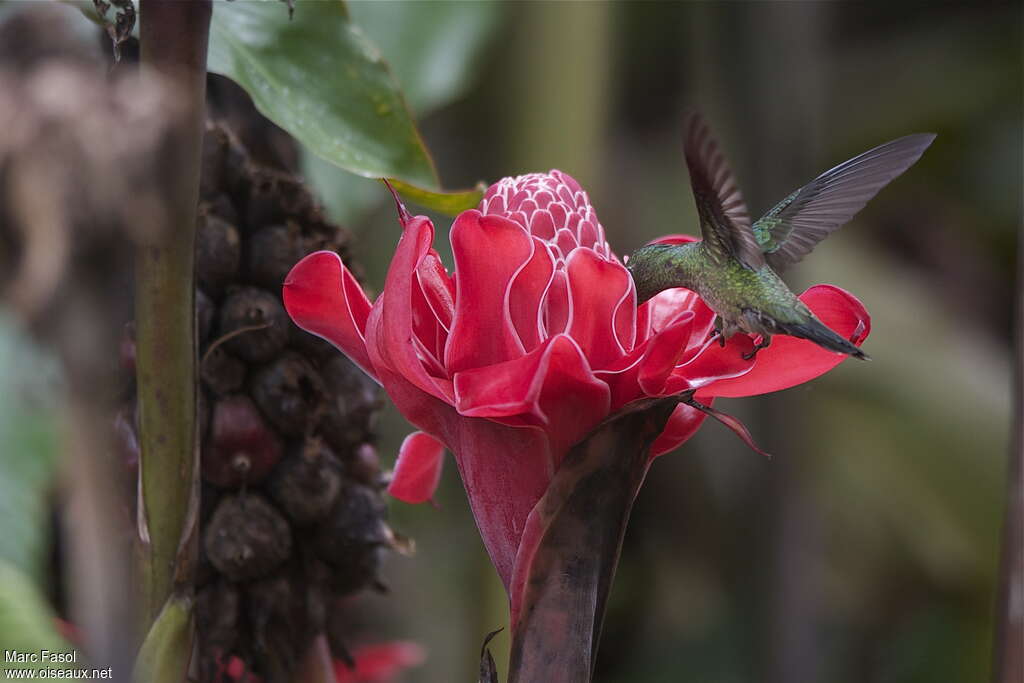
{"x": 403, "y": 214}
{"x": 418, "y": 468}
{"x": 380, "y": 663}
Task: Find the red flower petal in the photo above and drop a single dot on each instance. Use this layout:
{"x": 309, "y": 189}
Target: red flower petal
{"x": 505, "y": 470}
{"x": 552, "y": 387}
{"x": 527, "y": 295}
{"x": 655, "y": 359}
{"x": 665, "y": 306}
{"x": 712, "y": 364}
{"x": 323, "y": 298}
{"x": 596, "y": 288}
{"x": 664, "y": 351}
{"x": 489, "y": 251}
{"x": 418, "y": 468}
{"x": 790, "y": 361}
{"x": 438, "y": 289}
{"x": 390, "y": 325}
{"x": 557, "y": 308}
{"x": 380, "y": 663}
{"x": 681, "y": 426}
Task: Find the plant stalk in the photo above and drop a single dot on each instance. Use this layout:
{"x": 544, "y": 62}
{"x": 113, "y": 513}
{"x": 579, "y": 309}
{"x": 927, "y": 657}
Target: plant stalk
{"x": 173, "y": 41}
{"x": 582, "y": 520}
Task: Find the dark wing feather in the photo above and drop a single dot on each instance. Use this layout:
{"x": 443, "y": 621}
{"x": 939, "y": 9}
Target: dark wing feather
{"x": 724, "y": 220}
{"x": 795, "y": 225}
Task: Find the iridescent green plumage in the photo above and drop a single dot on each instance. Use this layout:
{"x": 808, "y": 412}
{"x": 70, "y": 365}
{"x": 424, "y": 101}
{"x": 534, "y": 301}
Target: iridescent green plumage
{"x": 734, "y": 268}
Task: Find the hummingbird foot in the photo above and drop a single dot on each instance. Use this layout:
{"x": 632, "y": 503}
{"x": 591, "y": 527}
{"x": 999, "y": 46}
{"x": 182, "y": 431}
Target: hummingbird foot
{"x": 717, "y": 331}
{"x": 717, "y": 334}
{"x": 766, "y": 341}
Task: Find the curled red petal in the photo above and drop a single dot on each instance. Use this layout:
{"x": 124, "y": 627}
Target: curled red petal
{"x": 557, "y": 308}
{"x": 418, "y": 468}
{"x": 323, "y": 298}
{"x": 489, "y": 251}
{"x": 380, "y": 662}
{"x": 390, "y": 327}
{"x": 553, "y": 385}
{"x": 597, "y": 287}
{"x": 790, "y": 361}
{"x": 505, "y": 470}
{"x": 712, "y": 364}
{"x": 438, "y": 289}
{"x": 681, "y": 426}
{"x": 526, "y": 295}
{"x": 643, "y": 371}
{"x": 664, "y": 308}
{"x": 663, "y": 353}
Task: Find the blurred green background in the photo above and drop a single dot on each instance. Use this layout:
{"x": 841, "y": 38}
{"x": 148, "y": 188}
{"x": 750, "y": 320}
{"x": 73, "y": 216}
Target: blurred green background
{"x": 867, "y": 549}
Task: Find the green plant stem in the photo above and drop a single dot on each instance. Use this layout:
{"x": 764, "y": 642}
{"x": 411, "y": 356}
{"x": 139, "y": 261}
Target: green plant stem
{"x": 173, "y": 44}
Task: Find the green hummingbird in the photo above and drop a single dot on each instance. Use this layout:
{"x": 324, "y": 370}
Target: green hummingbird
{"x": 735, "y": 267}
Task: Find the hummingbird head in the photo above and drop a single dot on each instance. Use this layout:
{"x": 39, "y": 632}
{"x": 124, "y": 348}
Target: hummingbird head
{"x": 649, "y": 268}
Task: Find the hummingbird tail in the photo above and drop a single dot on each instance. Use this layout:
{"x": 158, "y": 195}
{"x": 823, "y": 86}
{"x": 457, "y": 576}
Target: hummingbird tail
{"x": 816, "y": 331}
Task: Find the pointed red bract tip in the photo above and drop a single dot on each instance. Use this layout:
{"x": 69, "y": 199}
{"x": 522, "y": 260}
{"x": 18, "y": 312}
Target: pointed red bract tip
{"x": 403, "y": 214}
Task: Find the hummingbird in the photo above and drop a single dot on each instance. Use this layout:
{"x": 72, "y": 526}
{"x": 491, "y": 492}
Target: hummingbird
{"x": 735, "y": 266}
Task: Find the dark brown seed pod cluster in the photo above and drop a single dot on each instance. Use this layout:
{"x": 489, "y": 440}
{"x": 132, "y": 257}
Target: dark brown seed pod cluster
{"x": 292, "y": 513}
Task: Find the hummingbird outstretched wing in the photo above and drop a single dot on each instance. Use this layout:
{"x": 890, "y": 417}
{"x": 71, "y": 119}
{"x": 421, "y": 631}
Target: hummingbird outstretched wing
{"x": 795, "y": 225}
{"x": 724, "y": 219}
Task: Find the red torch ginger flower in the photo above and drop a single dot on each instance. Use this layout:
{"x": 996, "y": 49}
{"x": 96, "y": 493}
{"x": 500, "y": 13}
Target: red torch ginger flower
{"x": 533, "y": 340}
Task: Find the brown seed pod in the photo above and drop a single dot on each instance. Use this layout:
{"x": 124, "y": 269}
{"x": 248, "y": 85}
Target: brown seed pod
{"x": 237, "y": 171}
{"x": 241, "y": 448}
{"x": 272, "y": 251}
{"x": 218, "y": 253}
{"x": 275, "y": 196}
{"x": 221, "y": 372}
{"x": 352, "y": 537}
{"x": 277, "y": 611}
{"x": 205, "y": 312}
{"x": 203, "y": 408}
{"x": 305, "y": 484}
{"x": 247, "y": 538}
{"x": 354, "y": 400}
{"x": 219, "y": 205}
{"x": 258, "y": 321}
{"x": 311, "y": 345}
{"x": 290, "y": 393}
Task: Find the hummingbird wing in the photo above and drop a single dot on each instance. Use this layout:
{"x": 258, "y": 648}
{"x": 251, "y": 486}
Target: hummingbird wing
{"x": 795, "y": 225}
{"x": 724, "y": 220}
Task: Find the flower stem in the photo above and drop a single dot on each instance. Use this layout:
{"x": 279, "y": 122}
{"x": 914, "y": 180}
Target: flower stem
{"x": 173, "y": 46}
{"x": 581, "y": 521}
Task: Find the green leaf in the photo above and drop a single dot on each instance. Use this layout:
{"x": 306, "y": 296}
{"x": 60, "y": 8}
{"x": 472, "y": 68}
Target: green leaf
{"x": 164, "y": 655}
{"x": 28, "y": 446}
{"x": 26, "y": 623}
{"x": 449, "y": 203}
{"x": 433, "y": 47}
{"x": 322, "y": 80}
